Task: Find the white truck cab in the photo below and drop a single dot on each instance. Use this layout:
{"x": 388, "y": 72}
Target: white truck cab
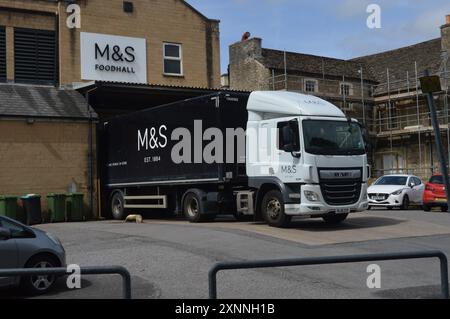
{"x": 312, "y": 153}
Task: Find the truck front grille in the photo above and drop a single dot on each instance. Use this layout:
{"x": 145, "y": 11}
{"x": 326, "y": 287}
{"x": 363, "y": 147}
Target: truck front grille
{"x": 341, "y": 193}
{"x": 345, "y": 189}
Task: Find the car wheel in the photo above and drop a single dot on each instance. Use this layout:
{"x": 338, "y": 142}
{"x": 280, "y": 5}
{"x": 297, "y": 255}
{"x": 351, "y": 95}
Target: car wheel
{"x": 335, "y": 219}
{"x": 369, "y": 207}
{"x": 117, "y": 206}
{"x": 272, "y": 207}
{"x": 39, "y": 285}
{"x": 444, "y": 209}
{"x": 426, "y": 208}
{"x": 390, "y": 207}
{"x": 405, "y": 203}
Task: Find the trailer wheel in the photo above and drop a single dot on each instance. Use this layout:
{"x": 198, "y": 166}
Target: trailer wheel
{"x": 273, "y": 209}
{"x": 117, "y": 205}
{"x": 193, "y": 207}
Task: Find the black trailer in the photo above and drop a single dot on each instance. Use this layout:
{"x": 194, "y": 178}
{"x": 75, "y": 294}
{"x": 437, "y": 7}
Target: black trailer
{"x": 145, "y": 161}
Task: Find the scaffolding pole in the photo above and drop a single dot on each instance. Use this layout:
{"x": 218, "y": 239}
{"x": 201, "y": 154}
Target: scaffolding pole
{"x": 285, "y": 72}
{"x": 389, "y": 109}
{"x": 362, "y": 96}
{"x": 418, "y": 117}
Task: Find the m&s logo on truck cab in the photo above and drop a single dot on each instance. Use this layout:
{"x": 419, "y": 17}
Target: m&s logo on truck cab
{"x": 289, "y": 169}
{"x": 152, "y": 138}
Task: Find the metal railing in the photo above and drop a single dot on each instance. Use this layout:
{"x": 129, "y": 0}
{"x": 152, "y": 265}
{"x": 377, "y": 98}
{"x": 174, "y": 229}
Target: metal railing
{"x": 61, "y": 271}
{"x": 212, "y": 275}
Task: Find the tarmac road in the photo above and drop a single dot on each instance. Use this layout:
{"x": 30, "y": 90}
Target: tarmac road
{"x": 171, "y": 258}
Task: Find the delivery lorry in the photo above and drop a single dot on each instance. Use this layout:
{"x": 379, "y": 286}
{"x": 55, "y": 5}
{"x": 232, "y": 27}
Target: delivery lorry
{"x": 270, "y": 155}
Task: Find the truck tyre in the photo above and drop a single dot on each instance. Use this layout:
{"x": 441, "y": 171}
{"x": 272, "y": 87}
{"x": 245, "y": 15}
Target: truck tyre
{"x": 193, "y": 207}
{"x": 117, "y": 205}
{"x": 335, "y": 219}
{"x": 272, "y": 208}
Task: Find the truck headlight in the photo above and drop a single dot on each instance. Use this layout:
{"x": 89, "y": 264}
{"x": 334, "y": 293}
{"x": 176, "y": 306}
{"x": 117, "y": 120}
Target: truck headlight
{"x": 311, "y": 196}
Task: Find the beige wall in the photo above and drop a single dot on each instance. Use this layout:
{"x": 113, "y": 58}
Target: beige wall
{"x": 156, "y": 20}
{"x": 43, "y": 157}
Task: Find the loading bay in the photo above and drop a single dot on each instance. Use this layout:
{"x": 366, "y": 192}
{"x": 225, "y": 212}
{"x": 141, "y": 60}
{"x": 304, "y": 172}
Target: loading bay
{"x": 170, "y": 258}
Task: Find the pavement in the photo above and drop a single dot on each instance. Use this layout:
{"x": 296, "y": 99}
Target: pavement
{"x": 170, "y": 258}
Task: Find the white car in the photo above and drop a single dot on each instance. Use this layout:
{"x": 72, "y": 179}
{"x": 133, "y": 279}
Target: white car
{"x": 396, "y": 191}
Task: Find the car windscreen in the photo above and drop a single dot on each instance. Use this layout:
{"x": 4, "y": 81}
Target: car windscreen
{"x": 392, "y": 180}
{"x": 437, "y": 179}
{"x": 324, "y": 137}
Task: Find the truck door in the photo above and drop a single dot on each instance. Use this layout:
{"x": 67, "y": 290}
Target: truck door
{"x": 288, "y": 148}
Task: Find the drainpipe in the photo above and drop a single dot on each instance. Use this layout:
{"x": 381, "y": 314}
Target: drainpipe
{"x": 90, "y": 154}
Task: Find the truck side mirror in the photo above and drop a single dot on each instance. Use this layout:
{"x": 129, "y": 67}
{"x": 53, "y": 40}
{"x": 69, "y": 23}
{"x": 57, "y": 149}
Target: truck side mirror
{"x": 5, "y": 233}
{"x": 289, "y": 148}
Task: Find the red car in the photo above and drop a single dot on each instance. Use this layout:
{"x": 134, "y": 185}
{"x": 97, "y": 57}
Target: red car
{"x": 434, "y": 194}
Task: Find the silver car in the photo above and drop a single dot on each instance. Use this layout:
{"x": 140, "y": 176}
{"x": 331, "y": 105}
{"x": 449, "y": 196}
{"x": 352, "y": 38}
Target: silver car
{"x": 26, "y": 247}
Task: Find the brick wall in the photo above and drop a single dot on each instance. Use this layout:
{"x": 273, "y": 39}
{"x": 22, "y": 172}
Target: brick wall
{"x": 43, "y": 157}
{"x": 246, "y": 73}
{"x": 155, "y": 20}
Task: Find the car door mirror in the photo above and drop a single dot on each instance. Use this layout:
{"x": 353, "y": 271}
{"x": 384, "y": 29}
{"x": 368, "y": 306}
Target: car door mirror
{"x": 5, "y": 233}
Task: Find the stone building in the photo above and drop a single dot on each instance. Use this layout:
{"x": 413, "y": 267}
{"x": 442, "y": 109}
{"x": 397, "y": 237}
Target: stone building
{"x": 67, "y": 64}
{"x": 380, "y": 90}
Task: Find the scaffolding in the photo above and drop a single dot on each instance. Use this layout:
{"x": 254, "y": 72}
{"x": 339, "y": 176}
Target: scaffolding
{"x": 393, "y": 111}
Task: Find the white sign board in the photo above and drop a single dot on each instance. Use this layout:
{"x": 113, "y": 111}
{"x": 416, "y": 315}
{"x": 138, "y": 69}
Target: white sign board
{"x": 113, "y": 58}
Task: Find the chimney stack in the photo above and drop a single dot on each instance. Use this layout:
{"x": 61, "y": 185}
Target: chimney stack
{"x": 445, "y": 34}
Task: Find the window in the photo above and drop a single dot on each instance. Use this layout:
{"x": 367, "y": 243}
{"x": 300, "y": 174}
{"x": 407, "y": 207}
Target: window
{"x": 288, "y": 133}
{"x": 17, "y": 231}
{"x": 323, "y": 137}
{"x": 35, "y": 56}
{"x": 392, "y": 112}
{"x": 2, "y": 54}
{"x": 347, "y": 106}
{"x": 173, "y": 60}
{"x": 346, "y": 89}
{"x": 311, "y": 86}
{"x": 417, "y": 181}
{"x": 392, "y": 180}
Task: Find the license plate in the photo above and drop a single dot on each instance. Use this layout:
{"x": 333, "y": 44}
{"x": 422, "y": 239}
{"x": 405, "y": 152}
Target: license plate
{"x": 441, "y": 200}
{"x": 343, "y": 211}
{"x": 378, "y": 198}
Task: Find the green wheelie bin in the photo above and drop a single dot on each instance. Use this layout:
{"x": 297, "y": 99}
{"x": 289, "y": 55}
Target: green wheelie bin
{"x": 8, "y": 206}
{"x": 75, "y": 207}
{"x": 56, "y": 207}
{"x": 32, "y": 209}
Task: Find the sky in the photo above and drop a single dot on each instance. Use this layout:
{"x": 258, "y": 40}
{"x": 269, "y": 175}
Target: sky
{"x": 333, "y": 28}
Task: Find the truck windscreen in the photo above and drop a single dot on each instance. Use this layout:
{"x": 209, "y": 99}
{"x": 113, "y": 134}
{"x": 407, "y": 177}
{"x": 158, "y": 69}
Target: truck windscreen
{"x": 323, "y": 137}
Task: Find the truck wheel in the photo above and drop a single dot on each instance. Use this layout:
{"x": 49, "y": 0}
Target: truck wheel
{"x": 273, "y": 210}
{"x": 193, "y": 208}
{"x": 335, "y": 219}
{"x": 117, "y": 206}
